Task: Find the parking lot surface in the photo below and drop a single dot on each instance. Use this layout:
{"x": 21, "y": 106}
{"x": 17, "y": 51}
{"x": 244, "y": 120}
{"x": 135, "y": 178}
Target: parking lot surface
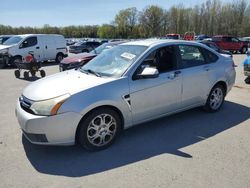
{"x": 189, "y": 149}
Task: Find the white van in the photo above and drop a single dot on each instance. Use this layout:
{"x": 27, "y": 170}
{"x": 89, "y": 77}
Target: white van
{"x": 44, "y": 47}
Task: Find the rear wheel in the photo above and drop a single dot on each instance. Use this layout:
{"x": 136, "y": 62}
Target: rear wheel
{"x": 99, "y": 129}
{"x": 215, "y": 98}
{"x": 59, "y": 57}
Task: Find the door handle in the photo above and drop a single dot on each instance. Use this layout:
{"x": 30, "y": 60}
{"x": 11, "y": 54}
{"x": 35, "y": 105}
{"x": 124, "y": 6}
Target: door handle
{"x": 37, "y": 47}
{"x": 46, "y": 47}
{"x": 174, "y": 75}
{"x": 207, "y": 68}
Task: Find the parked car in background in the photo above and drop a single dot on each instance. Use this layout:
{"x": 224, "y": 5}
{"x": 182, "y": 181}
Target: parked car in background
{"x": 3, "y": 38}
{"x": 132, "y": 83}
{"x": 212, "y": 45}
{"x": 230, "y": 43}
{"x": 246, "y": 39}
{"x": 201, "y": 37}
{"x": 44, "y": 47}
{"x": 84, "y": 46}
{"x": 173, "y": 36}
{"x": 246, "y": 65}
{"x": 80, "y": 59}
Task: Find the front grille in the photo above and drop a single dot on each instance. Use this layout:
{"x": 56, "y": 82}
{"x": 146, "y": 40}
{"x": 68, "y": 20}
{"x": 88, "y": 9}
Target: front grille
{"x": 36, "y": 137}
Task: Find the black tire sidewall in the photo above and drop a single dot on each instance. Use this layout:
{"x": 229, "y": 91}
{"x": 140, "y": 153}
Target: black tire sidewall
{"x": 82, "y": 132}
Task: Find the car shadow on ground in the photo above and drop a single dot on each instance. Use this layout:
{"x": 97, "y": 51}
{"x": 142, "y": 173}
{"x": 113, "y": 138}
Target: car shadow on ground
{"x": 165, "y": 135}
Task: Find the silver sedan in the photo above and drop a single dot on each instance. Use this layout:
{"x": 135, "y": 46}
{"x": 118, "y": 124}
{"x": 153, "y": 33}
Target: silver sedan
{"x": 129, "y": 84}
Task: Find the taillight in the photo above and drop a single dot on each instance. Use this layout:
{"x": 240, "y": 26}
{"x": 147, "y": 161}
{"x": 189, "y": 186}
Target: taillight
{"x": 66, "y": 50}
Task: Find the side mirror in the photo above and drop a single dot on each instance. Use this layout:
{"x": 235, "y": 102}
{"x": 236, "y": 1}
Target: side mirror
{"x": 148, "y": 72}
{"x": 23, "y": 45}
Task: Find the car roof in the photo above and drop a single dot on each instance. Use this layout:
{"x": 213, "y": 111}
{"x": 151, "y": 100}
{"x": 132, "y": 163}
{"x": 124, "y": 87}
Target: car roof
{"x": 29, "y": 35}
{"x": 156, "y": 42}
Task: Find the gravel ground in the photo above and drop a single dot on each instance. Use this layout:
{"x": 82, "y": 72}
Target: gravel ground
{"x": 189, "y": 149}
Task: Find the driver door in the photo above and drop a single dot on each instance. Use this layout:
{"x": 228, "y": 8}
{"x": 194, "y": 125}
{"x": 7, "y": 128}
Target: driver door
{"x": 154, "y": 97}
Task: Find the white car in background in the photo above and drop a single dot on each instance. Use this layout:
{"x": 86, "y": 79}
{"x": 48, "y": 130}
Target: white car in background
{"x": 44, "y": 47}
{"x": 132, "y": 83}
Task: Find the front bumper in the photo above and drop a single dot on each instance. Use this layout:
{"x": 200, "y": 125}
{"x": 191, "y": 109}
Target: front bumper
{"x": 48, "y": 130}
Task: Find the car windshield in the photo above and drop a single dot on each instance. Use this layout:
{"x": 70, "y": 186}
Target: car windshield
{"x": 13, "y": 40}
{"x": 114, "y": 62}
{"x": 99, "y": 49}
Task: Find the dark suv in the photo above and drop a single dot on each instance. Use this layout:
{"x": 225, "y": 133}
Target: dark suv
{"x": 230, "y": 43}
{"x": 80, "y": 47}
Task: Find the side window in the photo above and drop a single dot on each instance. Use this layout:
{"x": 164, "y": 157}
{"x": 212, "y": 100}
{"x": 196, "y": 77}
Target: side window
{"x": 210, "y": 56}
{"x": 164, "y": 59}
{"x": 235, "y": 40}
{"x": 191, "y": 56}
{"x": 228, "y": 39}
{"x": 31, "y": 41}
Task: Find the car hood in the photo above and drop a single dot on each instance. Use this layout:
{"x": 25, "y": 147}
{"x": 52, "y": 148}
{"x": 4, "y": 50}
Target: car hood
{"x": 62, "y": 83}
{"x": 77, "y": 58}
{"x": 4, "y": 46}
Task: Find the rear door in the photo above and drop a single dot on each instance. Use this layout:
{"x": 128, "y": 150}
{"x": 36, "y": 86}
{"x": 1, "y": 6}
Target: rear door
{"x": 194, "y": 74}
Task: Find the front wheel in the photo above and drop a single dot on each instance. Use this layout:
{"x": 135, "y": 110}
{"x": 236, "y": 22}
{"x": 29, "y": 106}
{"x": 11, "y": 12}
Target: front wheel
{"x": 99, "y": 129}
{"x": 215, "y": 99}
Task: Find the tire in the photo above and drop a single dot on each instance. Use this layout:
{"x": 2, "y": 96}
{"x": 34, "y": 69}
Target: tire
{"x": 16, "y": 61}
{"x": 243, "y": 50}
{"x": 99, "y": 129}
{"x": 59, "y": 58}
{"x": 215, "y": 99}
{"x": 42, "y": 73}
{"x": 247, "y": 80}
{"x": 26, "y": 74}
{"x": 17, "y": 73}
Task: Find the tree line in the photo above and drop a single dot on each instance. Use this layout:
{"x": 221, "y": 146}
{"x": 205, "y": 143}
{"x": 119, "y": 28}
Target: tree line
{"x": 210, "y": 18}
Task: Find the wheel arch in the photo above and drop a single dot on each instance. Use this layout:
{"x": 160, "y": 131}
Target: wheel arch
{"x": 223, "y": 84}
{"x": 96, "y": 108}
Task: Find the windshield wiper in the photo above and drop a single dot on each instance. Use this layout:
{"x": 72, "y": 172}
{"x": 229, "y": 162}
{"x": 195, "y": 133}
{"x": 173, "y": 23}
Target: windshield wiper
{"x": 91, "y": 72}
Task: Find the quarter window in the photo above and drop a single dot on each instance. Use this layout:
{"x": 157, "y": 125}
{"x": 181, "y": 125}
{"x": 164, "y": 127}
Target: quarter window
{"x": 191, "y": 56}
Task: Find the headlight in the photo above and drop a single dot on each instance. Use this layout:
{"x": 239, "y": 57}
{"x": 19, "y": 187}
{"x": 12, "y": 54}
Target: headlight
{"x": 4, "y": 51}
{"x": 49, "y": 107}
